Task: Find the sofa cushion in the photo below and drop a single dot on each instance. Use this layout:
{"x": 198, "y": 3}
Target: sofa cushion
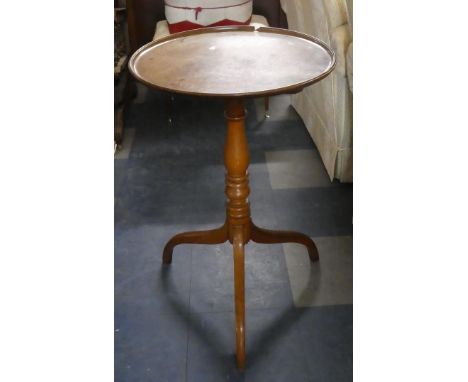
{"x": 337, "y": 12}
{"x": 185, "y": 15}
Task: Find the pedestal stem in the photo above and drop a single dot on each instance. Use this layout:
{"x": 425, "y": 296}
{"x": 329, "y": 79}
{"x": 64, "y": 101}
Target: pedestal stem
{"x": 238, "y": 227}
{"x": 236, "y": 160}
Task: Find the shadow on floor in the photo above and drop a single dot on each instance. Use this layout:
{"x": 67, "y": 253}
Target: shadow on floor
{"x": 288, "y": 317}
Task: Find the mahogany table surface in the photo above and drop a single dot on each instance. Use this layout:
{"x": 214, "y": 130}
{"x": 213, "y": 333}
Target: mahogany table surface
{"x": 238, "y": 61}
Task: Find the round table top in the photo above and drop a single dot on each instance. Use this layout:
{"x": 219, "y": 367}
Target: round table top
{"x": 233, "y": 62}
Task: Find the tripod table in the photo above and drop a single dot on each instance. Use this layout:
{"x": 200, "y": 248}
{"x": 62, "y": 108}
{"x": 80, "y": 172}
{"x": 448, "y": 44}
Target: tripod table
{"x": 235, "y": 63}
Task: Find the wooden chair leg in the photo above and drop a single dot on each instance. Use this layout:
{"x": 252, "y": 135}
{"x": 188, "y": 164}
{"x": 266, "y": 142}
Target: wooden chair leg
{"x": 238, "y": 252}
{"x": 267, "y": 107}
{"x": 169, "y": 107}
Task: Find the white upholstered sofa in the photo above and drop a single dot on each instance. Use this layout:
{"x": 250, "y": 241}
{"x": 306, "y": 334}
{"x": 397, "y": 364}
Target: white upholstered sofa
{"x": 326, "y": 107}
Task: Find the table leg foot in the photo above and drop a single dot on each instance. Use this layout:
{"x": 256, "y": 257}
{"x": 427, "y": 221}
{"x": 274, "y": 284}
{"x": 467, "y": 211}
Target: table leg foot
{"x": 212, "y": 236}
{"x": 238, "y": 252}
{"x": 266, "y": 236}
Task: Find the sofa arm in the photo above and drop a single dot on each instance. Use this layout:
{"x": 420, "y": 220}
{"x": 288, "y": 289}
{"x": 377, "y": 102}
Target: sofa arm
{"x": 340, "y": 40}
{"x": 349, "y": 66}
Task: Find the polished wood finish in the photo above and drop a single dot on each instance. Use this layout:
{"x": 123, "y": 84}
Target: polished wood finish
{"x": 315, "y": 62}
{"x": 236, "y": 161}
{"x": 236, "y": 61}
{"x": 267, "y": 236}
{"x": 238, "y": 228}
{"x": 212, "y": 236}
{"x": 239, "y": 295}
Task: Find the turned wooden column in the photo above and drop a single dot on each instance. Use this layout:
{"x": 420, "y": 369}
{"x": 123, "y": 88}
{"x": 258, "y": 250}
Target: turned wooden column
{"x": 238, "y": 227}
{"x": 236, "y": 160}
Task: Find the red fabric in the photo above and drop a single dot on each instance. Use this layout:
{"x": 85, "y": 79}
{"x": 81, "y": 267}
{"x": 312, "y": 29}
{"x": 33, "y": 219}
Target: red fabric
{"x": 187, "y": 25}
{"x": 199, "y": 9}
